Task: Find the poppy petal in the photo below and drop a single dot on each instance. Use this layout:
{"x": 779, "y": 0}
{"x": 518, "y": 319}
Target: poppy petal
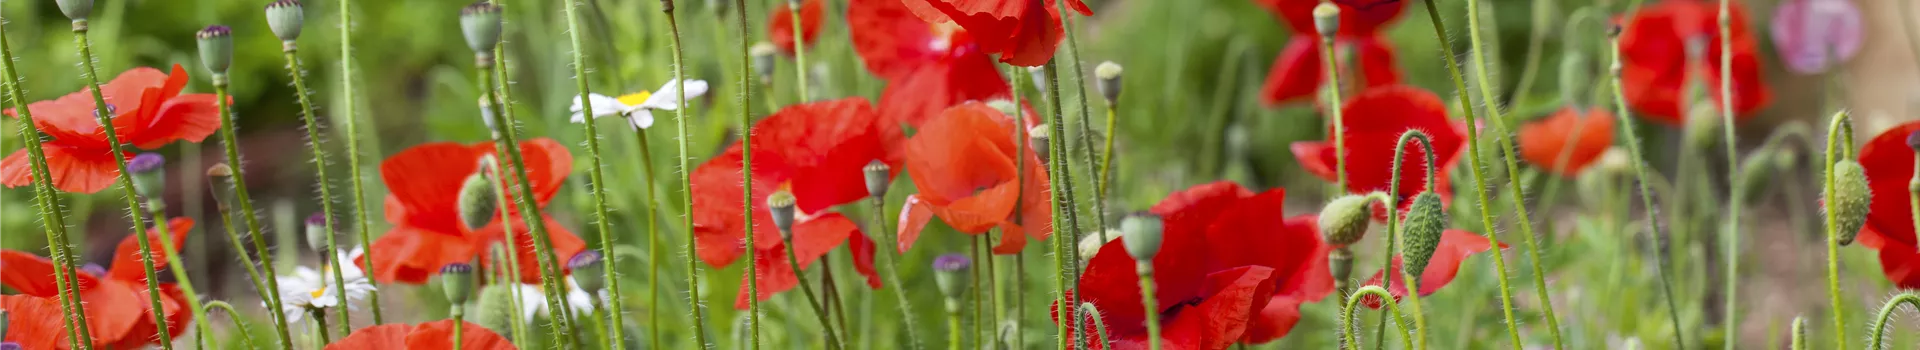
{"x": 1889, "y": 167}
{"x": 1296, "y": 74}
{"x": 190, "y": 117}
{"x": 73, "y": 169}
{"x": 780, "y": 24}
{"x": 1543, "y": 142}
{"x": 438, "y": 335}
{"x": 34, "y": 322}
{"x": 891, "y": 41}
{"x": 862, "y": 248}
{"x": 935, "y": 86}
{"x": 1273, "y": 321}
{"x": 425, "y": 180}
{"x": 1317, "y": 158}
{"x": 408, "y": 254}
{"x": 564, "y": 243}
{"x": 1901, "y": 265}
{"x": 126, "y": 258}
{"x": 1231, "y": 297}
{"x": 385, "y": 336}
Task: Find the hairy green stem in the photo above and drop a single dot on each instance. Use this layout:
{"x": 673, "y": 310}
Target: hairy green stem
{"x": 352, "y": 121}
{"x": 653, "y": 242}
{"x": 1389, "y": 200}
{"x": 230, "y": 139}
{"x": 1353, "y": 304}
{"x": 1332, "y": 67}
{"x": 157, "y": 210}
{"x": 320, "y": 171}
{"x": 104, "y": 115}
{"x": 239, "y": 325}
{"x": 1646, "y": 193}
{"x": 1840, "y": 123}
{"x": 1105, "y": 180}
{"x": 511, "y": 274}
{"x": 1064, "y": 201}
{"x": 1090, "y": 312}
{"x": 1086, "y": 128}
{"x": 888, "y": 262}
{"x": 686, "y": 186}
{"x": 1145, "y": 270}
{"x": 819, "y": 312}
{"x": 1736, "y": 198}
{"x": 47, "y": 204}
{"x": 597, "y": 179}
{"x": 253, "y": 274}
{"x": 1799, "y": 339}
{"x": 1878, "y": 336}
{"x": 983, "y": 275}
{"x": 746, "y": 171}
{"x": 320, "y": 325}
{"x": 505, "y": 139}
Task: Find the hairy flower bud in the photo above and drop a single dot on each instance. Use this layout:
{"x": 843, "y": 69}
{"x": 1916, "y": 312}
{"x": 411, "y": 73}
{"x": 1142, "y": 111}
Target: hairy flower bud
{"x": 950, "y": 274}
{"x": 1108, "y": 76}
{"x": 216, "y": 48}
{"x": 1420, "y": 237}
{"x": 1142, "y": 234}
{"x": 75, "y": 9}
{"x": 494, "y": 309}
{"x": 317, "y": 232}
{"x": 780, "y": 205}
{"x": 1326, "y": 19}
{"x": 456, "y": 280}
{"x": 1755, "y": 172}
{"x": 285, "y": 17}
{"x": 589, "y": 271}
{"x": 879, "y": 176}
{"x": 1090, "y": 244}
{"x": 480, "y": 23}
{"x": 1851, "y": 199}
{"x": 220, "y": 182}
{"x": 149, "y": 175}
{"x": 479, "y": 201}
{"x": 1345, "y": 219}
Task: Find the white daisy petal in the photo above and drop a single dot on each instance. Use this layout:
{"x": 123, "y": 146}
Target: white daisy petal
{"x": 640, "y": 119}
{"x": 666, "y": 98}
{"x": 603, "y": 105}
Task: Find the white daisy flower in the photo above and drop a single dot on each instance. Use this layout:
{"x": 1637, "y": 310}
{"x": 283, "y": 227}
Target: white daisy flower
{"x": 533, "y": 302}
{"x": 314, "y": 289}
{"x": 638, "y": 107}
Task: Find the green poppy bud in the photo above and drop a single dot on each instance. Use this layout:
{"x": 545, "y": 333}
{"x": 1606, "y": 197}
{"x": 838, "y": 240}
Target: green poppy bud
{"x": 285, "y": 17}
{"x": 479, "y": 201}
{"x": 1142, "y": 235}
{"x": 456, "y": 280}
{"x": 1326, "y": 19}
{"x": 480, "y": 23}
{"x": 780, "y": 205}
{"x": 1038, "y": 137}
{"x": 1786, "y": 158}
{"x": 1851, "y": 199}
{"x": 1345, "y": 219}
{"x": 494, "y": 309}
{"x": 1703, "y": 124}
{"x": 1755, "y": 173}
{"x": 220, "y": 182}
{"x": 149, "y": 175}
{"x": 1420, "y": 237}
{"x": 1108, "y": 82}
{"x": 76, "y": 10}
{"x": 317, "y": 232}
{"x": 588, "y": 271}
{"x": 879, "y": 177}
{"x": 950, "y": 274}
{"x": 216, "y": 48}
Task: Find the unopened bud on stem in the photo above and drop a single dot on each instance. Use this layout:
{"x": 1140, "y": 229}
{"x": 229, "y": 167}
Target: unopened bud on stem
{"x": 588, "y": 271}
{"x": 879, "y": 176}
{"x": 1108, "y": 76}
{"x": 480, "y": 23}
{"x": 76, "y": 10}
{"x": 1420, "y": 237}
{"x": 1345, "y": 219}
{"x": 1852, "y": 199}
{"x": 950, "y": 274}
{"x": 479, "y": 201}
{"x": 149, "y": 175}
{"x": 763, "y": 62}
{"x": 220, "y": 181}
{"x": 780, "y": 205}
{"x": 456, "y": 280}
{"x": 1142, "y": 234}
{"x": 1326, "y": 19}
{"x": 285, "y": 17}
{"x": 216, "y": 48}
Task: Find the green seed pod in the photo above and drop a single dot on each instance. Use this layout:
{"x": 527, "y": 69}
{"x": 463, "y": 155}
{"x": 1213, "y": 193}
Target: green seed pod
{"x": 780, "y": 204}
{"x": 1345, "y": 219}
{"x": 1142, "y": 235}
{"x": 1326, "y": 19}
{"x": 285, "y": 17}
{"x": 588, "y": 271}
{"x": 879, "y": 176}
{"x": 1851, "y": 199}
{"x": 317, "y": 232}
{"x": 1426, "y": 220}
{"x": 1703, "y": 124}
{"x": 1108, "y": 82}
{"x": 1340, "y": 263}
{"x": 216, "y": 48}
{"x": 494, "y": 309}
{"x": 75, "y": 9}
{"x": 480, "y": 23}
{"x": 149, "y": 175}
{"x": 479, "y": 201}
{"x": 1038, "y": 136}
{"x": 456, "y": 280}
{"x": 220, "y": 182}
{"x": 950, "y": 274}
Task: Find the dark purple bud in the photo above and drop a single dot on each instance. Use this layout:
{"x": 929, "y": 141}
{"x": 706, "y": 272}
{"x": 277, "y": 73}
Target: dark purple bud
{"x": 10, "y": 346}
{"x": 146, "y": 163}
{"x": 148, "y": 179}
{"x": 588, "y": 271}
{"x": 317, "y": 232}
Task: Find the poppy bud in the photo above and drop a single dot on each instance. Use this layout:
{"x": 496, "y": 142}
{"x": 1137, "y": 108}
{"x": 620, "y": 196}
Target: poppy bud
{"x": 1426, "y": 220}
{"x": 1785, "y": 158}
{"x": 479, "y": 201}
{"x": 1326, "y": 19}
{"x": 1344, "y": 220}
{"x": 456, "y": 280}
{"x": 1702, "y": 122}
{"x": 220, "y": 181}
{"x": 285, "y": 17}
{"x": 879, "y": 177}
{"x": 1142, "y": 234}
{"x": 1851, "y": 199}
{"x": 317, "y": 232}
{"x": 1038, "y": 136}
{"x": 950, "y": 274}
{"x": 1575, "y": 78}
{"x": 75, "y": 9}
{"x": 494, "y": 309}
{"x": 1754, "y": 174}
{"x": 780, "y": 204}
{"x": 588, "y": 271}
{"x": 149, "y": 175}
{"x": 480, "y": 23}
{"x": 216, "y": 48}
{"x": 1108, "y": 82}
{"x": 763, "y": 63}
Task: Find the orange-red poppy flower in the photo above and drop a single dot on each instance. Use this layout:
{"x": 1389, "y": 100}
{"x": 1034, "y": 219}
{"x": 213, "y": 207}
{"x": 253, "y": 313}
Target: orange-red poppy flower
{"x": 965, "y": 166}
{"x": 1889, "y": 164}
{"x": 34, "y": 322}
{"x": 119, "y": 312}
{"x": 1023, "y": 32}
{"x": 780, "y": 24}
{"x": 1455, "y": 247}
{"x": 148, "y": 112}
{"x": 1544, "y": 141}
{"x": 436, "y": 335}
{"x": 928, "y": 67}
{"x": 1658, "y": 69}
{"x": 1299, "y": 72}
{"x": 423, "y": 206}
{"x": 1375, "y": 119}
{"x": 1228, "y": 271}
{"x": 816, "y": 152}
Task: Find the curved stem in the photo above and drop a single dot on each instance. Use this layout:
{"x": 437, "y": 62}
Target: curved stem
{"x": 888, "y": 261}
{"x": 746, "y": 169}
{"x": 1886, "y": 313}
{"x": 594, "y": 175}
{"x": 1840, "y": 123}
{"x": 253, "y": 274}
{"x": 47, "y": 204}
{"x": 1091, "y": 312}
{"x": 1391, "y": 200}
{"x": 104, "y": 114}
{"x": 1147, "y": 300}
{"x": 229, "y": 137}
{"x": 239, "y": 325}
{"x": 1353, "y": 304}
{"x": 505, "y": 139}
{"x": 819, "y": 312}
{"x": 320, "y": 172}
{"x": 353, "y": 154}
{"x": 686, "y": 186}
{"x": 1473, "y": 153}
{"x": 1646, "y": 194}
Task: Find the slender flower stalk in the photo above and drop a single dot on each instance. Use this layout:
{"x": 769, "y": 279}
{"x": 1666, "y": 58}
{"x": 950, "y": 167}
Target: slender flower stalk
{"x": 157, "y": 209}
{"x": 1142, "y": 236}
{"x": 239, "y": 325}
{"x": 457, "y": 280}
{"x": 491, "y": 166}
{"x": 1064, "y": 201}
{"x": 1879, "y": 336}
{"x": 799, "y": 49}
{"x": 746, "y": 166}
{"x": 1838, "y": 130}
{"x": 1525, "y": 222}
{"x": 1087, "y": 311}
{"x": 1735, "y": 198}
{"x": 230, "y": 139}
{"x": 594, "y": 175}
{"x": 949, "y": 276}
{"x": 104, "y": 114}
{"x": 354, "y": 174}
{"x": 1393, "y": 227}
{"x": 653, "y": 242}
{"x": 1326, "y": 20}
{"x": 979, "y": 324}
{"x": 1646, "y": 193}
{"x": 819, "y": 312}
{"x": 1353, "y": 304}
{"x": 220, "y": 177}
{"x": 46, "y": 201}
{"x": 284, "y": 17}
{"x": 1536, "y": 36}
{"x": 780, "y": 204}
{"x": 888, "y": 261}
{"x": 686, "y": 186}
{"x": 1086, "y": 131}
{"x": 320, "y": 325}
{"x": 1799, "y": 339}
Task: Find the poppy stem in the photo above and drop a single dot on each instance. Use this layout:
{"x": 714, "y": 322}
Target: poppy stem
{"x": 1479, "y": 178}
{"x": 509, "y": 277}
{"x": 1105, "y": 180}
{"x": 46, "y": 200}
{"x": 1841, "y": 124}
{"x": 1353, "y": 304}
{"x": 1092, "y": 313}
{"x": 819, "y": 312}
{"x": 653, "y": 242}
{"x": 319, "y": 317}
{"x": 1536, "y": 38}
{"x": 104, "y": 113}
{"x": 1646, "y": 198}
{"x": 158, "y": 210}
{"x": 597, "y": 179}
{"x": 505, "y": 139}
{"x": 799, "y": 49}
{"x": 239, "y": 325}
{"x": 1086, "y": 130}
{"x": 1799, "y": 339}
{"x": 686, "y": 186}
{"x": 1880, "y": 323}
{"x": 459, "y": 327}
{"x": 290, "y": 50}
{"x": 953, "y": 326}
{"x": 253, "y": 274}
{"x": 888, "y": 261}
{"x": 834, "y": 304}
{"x": 354, "y": 173}
{"x": 746, "y": 171}
{"x": 979, "y": 317}
{"x": 1021, "y": 143}
{"x": 1390, "y": 200}
{"x": 1063, "y": 203}
{"x": 231, "y": 141}
{"x": 1736, "y": 198}
{"x": 1144, "y": 268}
{"x": 1334, "y": 106}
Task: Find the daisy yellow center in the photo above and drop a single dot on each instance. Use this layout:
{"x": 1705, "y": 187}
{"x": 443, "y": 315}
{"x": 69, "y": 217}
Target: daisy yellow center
{"x": 635, "y": 99}
{"x": 318, "y": 292}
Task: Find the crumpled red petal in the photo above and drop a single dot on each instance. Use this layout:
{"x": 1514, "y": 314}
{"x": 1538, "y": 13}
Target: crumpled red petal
{"x": 1544, "y": 141}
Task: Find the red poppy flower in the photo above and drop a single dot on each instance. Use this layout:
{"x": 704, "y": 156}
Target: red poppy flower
{"x": 148, "y": 112}
{"x": 780, "y": 24}
{"x": 815, "y": 151}
{"x": 436, "y": 335}
{"x": 963, "y": 164}
{"x": 34, "y": 322}
{"x": 1023, "y": 32}
{"x": 423, "y": 205}
{"x": 1298, "y": 72}
{"x": 1228, "y": 271}
{"x": 1455, "y": 247}
{"x": 1374, "y": 121}
{"x": 928, "y": 67}
{"x": 1889, "y": 165}
{"x": 118, "y": 309}
{"x": 1542, "y": 142}
{"x": 1657, "y": 69}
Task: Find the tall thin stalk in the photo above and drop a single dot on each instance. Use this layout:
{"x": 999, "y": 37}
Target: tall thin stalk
{"x": 352, "y": 121}
{"x": 231, "y": 140}
{"x": 686, "y": 186}
{"x": 1646, "y": 192}
{"x": 1840, "y": 128}
{"x": 799, "y": 48}
{"x": 1735, "y": 197}
{"x": 157, "y": 209}
{"x": 505, "y": 138}
{"x": 746, "y": 171}
{"x": 819, "y": 312}
{"x": 1065, "y": 211}
{"x": 653, "y": 242}
{"x": 290, "y": 50}
{"x": 1086, "y": 128}
{"x": 47, "y": 203}
{"x": 1393, "y": 226}
{"x": 599, "y": 185}
{"x": 253, "y": 274}
{"x": 888, "y": 261}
